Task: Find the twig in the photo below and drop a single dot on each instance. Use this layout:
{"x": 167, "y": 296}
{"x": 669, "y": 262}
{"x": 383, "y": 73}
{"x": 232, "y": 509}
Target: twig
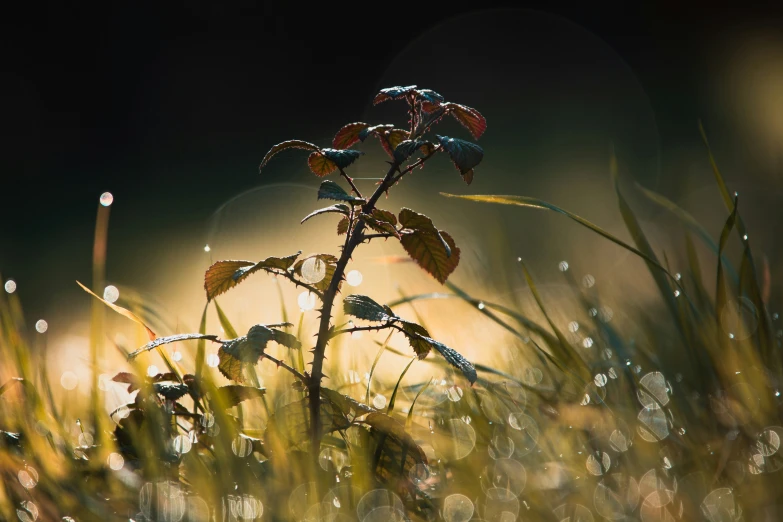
{"x": 285, "y": 365}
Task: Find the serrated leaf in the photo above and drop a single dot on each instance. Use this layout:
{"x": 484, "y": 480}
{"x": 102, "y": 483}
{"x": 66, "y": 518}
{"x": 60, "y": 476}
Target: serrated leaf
{"x": 232, "y": 394}
{"x": 122, "y": 311}
{"x": 348, "y": 135}
{"x": 406, "y": 148}
{"x": 225, "y": 275}
{"x": 470, "y": 118}
{"x": 382, "y": 221}
{"x": 291, "y": 423}
{"x": 375, "y": 129}
{"x": 414, "y": 332}
{"x": 464, "y": 154}
{"x": 331, "y": 266}
{"x": 363, "y": 307}
{"x": 342, "y": 226}
{"x": 230, "y": 366}
{"x": 338, "y": 209}
{"x": 290, "y": 144}
{"x": 286, "y": 339}
{"x": 331, "y": 190}
{"x": 430, "y": 96}
{"x": 395, "y": 453}
{"x": 432, "y": 249}
{"x": 392, "y": 93}
{"x": 391, "y": 139}
{"x": 160, "y": 341}
{"x": 171, "y": 391}
{"x": 452, "y": 356}
{"x": 429, "y": 120}
{"x": 348, "y": 405}
{"x": 326, "y": 161}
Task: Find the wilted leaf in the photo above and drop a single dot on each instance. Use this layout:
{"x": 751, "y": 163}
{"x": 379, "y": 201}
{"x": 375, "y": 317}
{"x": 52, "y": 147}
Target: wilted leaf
{"x": 342, "y": 226}
{"x": 233, "y": 394}
{"x": 331, "y": 190}
{"x": 464, "y": 154}
{"x": 291, "y": 144}
{"x": 171, "y": 339}
{"x": 414, "y": 332}
{"x": 339, "y": 209}
{"x": 432, "y": 249}
{"x": 225, "y": 275}
{"x": 363, "y": 307}
{"x": 348, "y": 135}
{"x": 470, "y": 118}
{"x": 122, "y": 311}
{"x": 395, "y": 453}
{"x": 331, "y": 265}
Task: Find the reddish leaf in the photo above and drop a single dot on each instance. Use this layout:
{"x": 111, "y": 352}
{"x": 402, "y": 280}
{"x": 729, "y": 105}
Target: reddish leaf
{"x": 225, "y": 275}
{"x": 342, "y": 226}
{"x": 433, "y": 250}
{"x": 230, "y": 366}
{"x": 291, "y": 144}
{"x": 470, "y": 118}
{"x": 348, "y": 135}
{"x": 320, "y": 164}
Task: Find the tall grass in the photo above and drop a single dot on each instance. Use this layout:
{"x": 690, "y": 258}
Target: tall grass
{"x": 681, "y": 421}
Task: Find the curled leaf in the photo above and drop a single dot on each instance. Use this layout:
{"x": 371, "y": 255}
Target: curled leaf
{"x": 331, "y": 190}
{"x": 470, "y": 118}
{"x": 171, "y": 339}
{"x": 434, "y": 250}
{"x": 464, "y": 154}
{"x": 290, "y": 144}
{"x": 339, "y": 209}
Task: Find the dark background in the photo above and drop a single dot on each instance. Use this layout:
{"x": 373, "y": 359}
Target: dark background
{"x": 171, "y": 106}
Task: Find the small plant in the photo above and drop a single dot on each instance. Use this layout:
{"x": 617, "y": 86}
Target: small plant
{"x": 322, "y": 274}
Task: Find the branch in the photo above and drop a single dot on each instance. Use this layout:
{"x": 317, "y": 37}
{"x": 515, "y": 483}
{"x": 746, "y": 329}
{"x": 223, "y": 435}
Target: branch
{"x": 374, "y": 236}
{"x": 297, "y": 282}
{"x": 361, "y": 329}
{"x": 419, "y": 162}
{"x": 285, "y": 365}
{"x": 350, "y": 182}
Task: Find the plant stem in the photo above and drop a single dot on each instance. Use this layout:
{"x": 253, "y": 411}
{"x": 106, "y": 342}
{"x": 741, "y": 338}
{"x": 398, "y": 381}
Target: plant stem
{"x": 319, "y": 352}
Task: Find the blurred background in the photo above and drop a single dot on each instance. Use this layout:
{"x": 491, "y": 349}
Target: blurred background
{"x": 171, "y": 110}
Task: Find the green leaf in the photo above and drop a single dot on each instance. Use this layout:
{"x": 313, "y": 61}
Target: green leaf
{"x": 406, "y": 148}
{"x": 434, "y": 250}
{"x": 348, "y": 135}
{"x": 363, "y": 307}
{"x": 470, "y": 118}
{"x": 464, "y": 154}
{"x": 291, "y": 423}
{"x": 225, "y": 275}
{"x": 330, "y": 263}
{"x": 171, "y": 339}
{"x": 339, "y": 209}
{"x": 232, "y": 394}
{"x": 382, "y": 221}
{"x": 230, "y": 366}
{"x": 171, "y": 391}
{"x": 342, "y": 226}
{"x": 291, "y": 144}
{"x": 393, "y": 397}
{"x": 421, "y": 343}
{"x": 331, "y": 190}
{"x": 326, "y": 161}
{"x": 415, "y": 333}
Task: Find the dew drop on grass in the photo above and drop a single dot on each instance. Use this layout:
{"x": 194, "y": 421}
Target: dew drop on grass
{"x": 481, "y": 306}
{"x": 588, "y": 281}
{"x": 587, "y": 342}
{"x": 562, "y": 266}
{"x": 379, "y": 401}
{"x": 573, "y": 326}
{"x": 206, "y": 248}
{"x": 457, "y": 508}
{"x": 111, "y": 293}
{"x": 354, "y": 278}
{"x": 10, "y": 286}
{"x": 306, "y": 301}
{"x": 69, "y": 380}
{"x": 28, "y": 477}
{"x": 213, "y": 360}
{"x": 242, "y": 447}
{"x": 41, "y": 326}
{"x": 116, "y": 461}
{"x": 181, "y": 444}
{"x": 454, "y": 393}
{"x": 600, "y": 380}
{"x": 313, "y": 270}
{"x": 106, "y": 199}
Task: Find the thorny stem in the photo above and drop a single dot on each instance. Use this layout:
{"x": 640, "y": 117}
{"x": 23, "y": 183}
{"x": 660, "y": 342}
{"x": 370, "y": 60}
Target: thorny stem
{"x": 351, "y": 242}
{"x": 350, "y": 182}
{"x": 288, "y": 367}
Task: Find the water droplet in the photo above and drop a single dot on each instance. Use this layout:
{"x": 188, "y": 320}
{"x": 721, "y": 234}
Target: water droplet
{"x": 481, "y": 306}
{"x": 86, "y": 439}
{"x": 152, "y": 370}
{"x": 206, "y": 248}
{"x": 306, "y": 301}
{"x": 213, "y": 360}
{"x": 106, "y": 199}
{"x": 116, "y": 461}
{"x": 563, "y": 266}
{"x": 454, "y": 393}
{"x": 242, "y": 446}
{"x": 28, "y": 477}
{"x": 678, "y": 276}
{"x": 676, "y": 293}
{"x": 176, "y": 356}
{"x": 588, "y": 281}
{"x": 600, "y": 380}
{"x": 587, "y": 342}
{"x": 457, "y": 508}
{"x": 573, "y": 326}
{"x": 69, "y": 380}
{"x": 745, "y": 237}
{"x": 313, "y": 270}
{"x": 612, "y": 373}
{"x": 354, "y": 278}
{"x": 41, "y": 326}
{"x": 379, "y": 401}
{"x": 10, "y": 286}
{"x": 182, "y": 444}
